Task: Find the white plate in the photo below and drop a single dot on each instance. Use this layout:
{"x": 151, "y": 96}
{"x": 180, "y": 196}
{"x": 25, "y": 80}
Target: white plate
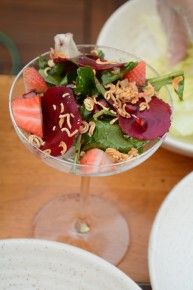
{"x": 171, "y": 242}
{"x": 28, "y": 264}
{"x": 130, "y": 28}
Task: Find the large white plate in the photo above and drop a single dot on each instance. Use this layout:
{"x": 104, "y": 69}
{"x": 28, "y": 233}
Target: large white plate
{"x": 130, "y": 28}
{"x": 171, "y": 242}
{"x": 36, "y": 264}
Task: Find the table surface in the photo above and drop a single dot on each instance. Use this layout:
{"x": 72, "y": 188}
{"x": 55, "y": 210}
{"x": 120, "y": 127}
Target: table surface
{"x": 26, "y": 184}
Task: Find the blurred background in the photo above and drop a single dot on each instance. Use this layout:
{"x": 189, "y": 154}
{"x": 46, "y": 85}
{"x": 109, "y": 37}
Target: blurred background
{"x": 27, "y": 27}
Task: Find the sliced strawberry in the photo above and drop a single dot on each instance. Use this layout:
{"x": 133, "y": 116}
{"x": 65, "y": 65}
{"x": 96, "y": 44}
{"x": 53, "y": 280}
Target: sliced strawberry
{"x": 28, "y": 114}
{"x": 137, "y": 74}
{"x": 33, "y": 81}
{"x": 97, "y": 159}
{"x": 29, "y": 94}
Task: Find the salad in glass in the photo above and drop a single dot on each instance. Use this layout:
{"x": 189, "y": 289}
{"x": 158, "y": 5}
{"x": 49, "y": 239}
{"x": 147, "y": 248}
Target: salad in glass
{"x": 99, "y": 111}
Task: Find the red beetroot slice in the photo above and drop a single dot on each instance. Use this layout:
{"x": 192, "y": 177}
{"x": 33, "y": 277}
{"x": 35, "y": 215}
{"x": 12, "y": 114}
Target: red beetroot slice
{"x": 156, "y": 121}
{"x": 54, "y": 104}
{"x": 87, "y": 61}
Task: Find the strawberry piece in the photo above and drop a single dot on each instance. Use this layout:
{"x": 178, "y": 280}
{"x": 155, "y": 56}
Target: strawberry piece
{"x": 28, "y": 115}
{"x": 137, "y": 74}
{"x": 148, "y": 124}
{"x": 33, "y": 81}
{"x": 29, "y": 95}
{"x": 96, "y": 158}
{"x": 61, "y": 119}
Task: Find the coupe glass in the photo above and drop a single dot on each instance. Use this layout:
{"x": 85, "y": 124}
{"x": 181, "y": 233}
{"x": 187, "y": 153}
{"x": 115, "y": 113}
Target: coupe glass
{"x": 85, "y": 219}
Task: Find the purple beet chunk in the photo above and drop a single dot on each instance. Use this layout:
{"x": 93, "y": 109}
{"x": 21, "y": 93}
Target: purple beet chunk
{"x": 68, "y": 65}
{"x": 87, "y": 61}
{"x": 156, "y": 120}
{"x": 52, "y": 109}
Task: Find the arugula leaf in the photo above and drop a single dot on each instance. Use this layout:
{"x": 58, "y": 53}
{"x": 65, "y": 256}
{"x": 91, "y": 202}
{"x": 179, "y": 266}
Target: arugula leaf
{"x": 109, "y": 77}
{"x": 53, "y": 80}
{"x": 159, "y": 82}
{"x": 42, "y": 62}
{"x": 99, "y": 87}
{"x": 85, "y": 114}
{"x": 101, "y": 54}
{"x": 64, "y": 81}
{"x": 85, "y": 83}
{"x": 77, "y": 149}
{"x": 110, "y": 136}
{"x": 55, "y": 75}
{"x": 130, "y": 65}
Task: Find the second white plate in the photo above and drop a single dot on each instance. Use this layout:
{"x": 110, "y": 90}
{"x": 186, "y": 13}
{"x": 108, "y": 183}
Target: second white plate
{"x": 171, "y": 242}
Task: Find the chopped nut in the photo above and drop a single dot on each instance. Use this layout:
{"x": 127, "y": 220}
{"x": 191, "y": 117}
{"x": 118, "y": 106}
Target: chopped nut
{"x": 113, "y": 121}
{"x": 36, "y": 141}
{"x": 92, "y": 126}
{"x": 89, "y": 103}
{"x": 143, "y": 106}
{"x": 116, "y": 156}
{"x": 51, "y": 63}
{"x": 84, "y": 127}
{"x": 68, "y": 132}
{"x": 64, "y": 147}
{"x": 47, "y": 151}
{"x": 133, "y": 152}
{"x": 149, "y": 90}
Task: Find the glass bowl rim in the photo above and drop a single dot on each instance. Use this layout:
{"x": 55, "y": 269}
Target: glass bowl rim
{"x": 63, "y": 161}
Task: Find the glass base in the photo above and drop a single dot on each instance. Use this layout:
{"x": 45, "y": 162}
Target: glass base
{"x": 103, "y": 231}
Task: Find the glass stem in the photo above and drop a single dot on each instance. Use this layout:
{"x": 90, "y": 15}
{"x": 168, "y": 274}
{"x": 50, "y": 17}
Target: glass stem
{"x": 82, "y": 226}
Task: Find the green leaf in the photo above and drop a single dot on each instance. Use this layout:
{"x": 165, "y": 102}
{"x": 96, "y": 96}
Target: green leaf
{"x": 130, "y": 65}
{"x": 85, "y": 114}
{"x": 99, "y": 87}
{"x": 110, "y": 136}
{"x": 85, "y": 83}
{"x": 55, "y": 75}
{"x": 53, "y": 80}
{"x": 159, "y": 82}
{"x": 64, "y": 81}
{"x": 109, "y": 76}
{"x": 56, "y": 70}
{"x": 77, "y": 149}
{"x": 42, "y": 62}
{"x": 101, "y": 54}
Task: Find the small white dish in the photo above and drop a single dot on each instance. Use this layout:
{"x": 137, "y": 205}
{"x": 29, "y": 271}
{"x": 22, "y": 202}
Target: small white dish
{"x": 171, "y": 241}
{"x": 134, "y": 27}
{"x": 27, "y": 264}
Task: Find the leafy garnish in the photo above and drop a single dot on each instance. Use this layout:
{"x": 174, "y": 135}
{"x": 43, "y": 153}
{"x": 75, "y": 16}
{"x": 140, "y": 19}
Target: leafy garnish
{"x": 110, "y": 136}
{"x": 85, "y": 114}
{"x": 99, "y": 87}
{"x": 64, "y": 81}
{"x": 109, "y": 77}
{"x": 77, "y": 149}
{"x": 159, "y": 82}
{"x": 85, "y": 83}
{"x": 101, "y": 54}
{"x": 42, "y": 62}
{"x": 53, "y": 80}
{"x": 55, "y": 75}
